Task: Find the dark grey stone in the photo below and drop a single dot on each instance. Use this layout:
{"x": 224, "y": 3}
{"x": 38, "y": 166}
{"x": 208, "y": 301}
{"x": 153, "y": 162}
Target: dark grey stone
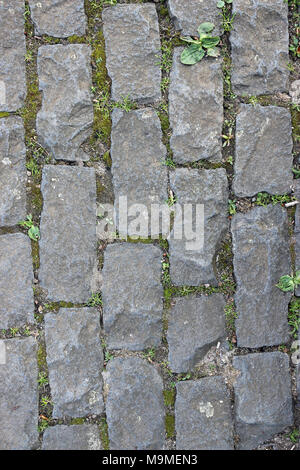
{"x": 263, "y": 151}
{"x": 203, "y": 415}
{"x": 19, "y": 395}
{"x": 16, "y": 277}
{"x": 75, "y": 361}
{"x": 138, "y": 172}
{"x": 196, "y": 110}
{"x": 259, "y": 44}
{"x": 68, "y": 253}
{"x": 12, "y": 55}
{"x": 195, "y": 324}
{"x": 187, "y": 18}
{"x": 66, "y": 117}
{"x": 208, "y": 187}
{"x": 263, "y": 400}
{"x": 12, "y": 171}
{"x": 132, "y": 296}
{"x": 133, "y": 52}
{"x": 261, "y": 257}
{"x": 135, "y": 407}
{"x": 77, "y": 437}
{"x": 58, "y": 18}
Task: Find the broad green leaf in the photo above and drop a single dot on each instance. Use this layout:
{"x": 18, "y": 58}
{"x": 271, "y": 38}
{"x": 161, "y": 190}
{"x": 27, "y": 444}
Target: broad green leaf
{"x": 220, "y": 4}
{"x": 34, "y": 233}
{"x": 192, "y": 54}
{"x": 205, "y": 28}
{"x": 228, "y": 1}
{"x": 208, "y": 43}
{"x": 189, "y": 39}
{"x": 213, "y": 52}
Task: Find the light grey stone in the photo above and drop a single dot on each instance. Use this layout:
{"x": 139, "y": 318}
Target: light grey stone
{"x": 134, "y": 407}
{"x": 68, "y": 251}
{"x": 77, "y": 437}
{"x": 19, "y": 395}
{"x": 12, "y": 171}
{"x": 58, "y": 18}
{"x": 12, "y": 55}
{"x": 196, "y": 110}
{"x": 132, "y": 296}
{"x": 203, "y": 415}
{"x": 16, "y": 277}
{"x": 263, "y": 400}
{"x": 295, "y": 92}
{"x": 191, "y": 265}
{"x": 263, "y": 151}
{"x": 75, "y": 361}
{"x": 261, "y": 257}
{"x": 138, "y": 172}
{"x": 259, "y": 45}
{"x": 133, "y": 52}
{"x": 66, "y": 116}
{"x": 195, "y": 324}
{"x": 188, "y": 17}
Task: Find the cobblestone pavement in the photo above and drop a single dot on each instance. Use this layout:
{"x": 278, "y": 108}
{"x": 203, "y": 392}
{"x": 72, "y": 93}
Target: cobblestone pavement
{"x": 140, "y": 342}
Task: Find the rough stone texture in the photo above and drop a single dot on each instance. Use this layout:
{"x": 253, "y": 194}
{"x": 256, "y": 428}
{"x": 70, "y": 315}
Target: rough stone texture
{"x": 16, "y": 277}
{"x": 12, "y": 171}
{"x": 261, "y": 257}
{"x": 77, "y": 437}
{"x": 295, "y": 92}
{"x": 75, "y": 360}
{"x": 12, "y": 55}
{"x": 195, "y": 325}
{"x": 187, "y": 18}
{"x": 203, "y": 415}
{"x": 263, "y": 151}
{"x": 134, "y": 408}
{"x": 259, "y": 43}
{"x": 132, "y": 296}
{"x": 297, "y": 231}
{"x": 263, "y": 405}
{"x": 68, "y": 233}
{"x": 196, "y": 110}
{"x": 66, "y": 117}
{"x": 58, "y": 18}
{"x": 133, "y": 51}
{"x": 137, "y": 156}
{"x": 19, "y": 396}
{"x": 207, "y": 187}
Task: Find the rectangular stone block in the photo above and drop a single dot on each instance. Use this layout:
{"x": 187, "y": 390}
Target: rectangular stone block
{"x": 263, "y": 151}
{"x": 195, "y": 324}
{"x": 132, "y": 296}
{"x": 259, "y": 45}
{"x": 12, "y": 171}
{"x": 75, "y": 361}
{"x": 19, "y": 396}
{"x": 68, "y": 251}
{"x": 65, "y": 119}
{"x": 263, "y": 407}
{"x": 58, "y": 18}
{"x": 133, "y": 52}
{"x": 190, "y": 265}
{"x": 138, "y": 172}
{"x": 75, "y": 437}
{"x": 12, "y": 55}
{"x": 203, "y": 415}
{"x": 16, "y": 277}
{"x": 188, "y": 17}
{"x": 196, "y": 110}
{"x": 261, "y": 255}
{"x": 134, "y": 407}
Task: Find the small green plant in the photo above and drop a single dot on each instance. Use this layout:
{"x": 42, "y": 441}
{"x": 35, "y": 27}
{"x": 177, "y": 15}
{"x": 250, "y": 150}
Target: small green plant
{"x": 95, "y": 300}
{"x": 43, "y": 379}
{"x": 289, "y": 283}
{"x": 169, "y": 162}
{"x": 296, "y": 173}
{"x": 253, "y": 100}
{"x": 231, "y": 207}
{"x": 43, "y": 425}
{"x": 228, "y": 137}
{"x": 221, "y": 3}
{"x": 33, "y": 231}
{"x": 126, "y": 104}
{"x": 227, "y": 18}
{"x": 149, "y": 354}
{"x": 171, "y": 200}
{"x": 294, "y": 317}
{"x": 295, "y": 47}
{"x": 14, "y": 331}
{"x": 45, "y": 401}
{"x": 204, "y": 45}
{"x": 108, "y": 356}
{"x": 181, "y": 377}
{"x": 294, "y": 436}
{"x": 230, "y": 160}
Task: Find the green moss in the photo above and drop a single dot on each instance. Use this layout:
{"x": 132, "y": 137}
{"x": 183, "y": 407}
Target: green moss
{"x": 76, "y": 39}
{"x": 51, "y": 39}
{"x": 107, "y": 159}
{"x": 4, "y": 114}
{"x": 104, "y": 434}
{"x": 164, "y": 120}
{"x": 41, "y": 357}
{"x": 35, "y": 255}
{"x": 169, "y": 397}
{"x": 296, "y": 123}
{"x": 77, "y": 421}
{"x": 99, "y": 187}
{"x": 163, "y": 11}
{"x": 32, "y": 103}
{"x": 170, "y": 426}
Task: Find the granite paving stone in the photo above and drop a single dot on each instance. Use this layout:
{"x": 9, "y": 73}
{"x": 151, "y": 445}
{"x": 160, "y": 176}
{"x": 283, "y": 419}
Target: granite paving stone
{"x": 76, "y": 437}
{"x": 187, "y": 17}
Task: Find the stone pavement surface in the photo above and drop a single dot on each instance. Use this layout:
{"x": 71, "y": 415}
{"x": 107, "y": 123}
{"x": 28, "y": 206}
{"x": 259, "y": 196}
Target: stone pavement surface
{"x": 149, "y": 341}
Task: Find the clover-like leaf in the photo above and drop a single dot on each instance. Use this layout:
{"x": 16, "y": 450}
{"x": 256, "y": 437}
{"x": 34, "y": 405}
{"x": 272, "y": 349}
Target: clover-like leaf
{"x": 192, "y": 54}
{"x": 208, "y": 43}
{"x": 34, "y": 233}
{"x": 213, "y": 52}
{"x": 205, "y": 28}
{"x": 220, "y": 4}
{"x": 190, "y": 40}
